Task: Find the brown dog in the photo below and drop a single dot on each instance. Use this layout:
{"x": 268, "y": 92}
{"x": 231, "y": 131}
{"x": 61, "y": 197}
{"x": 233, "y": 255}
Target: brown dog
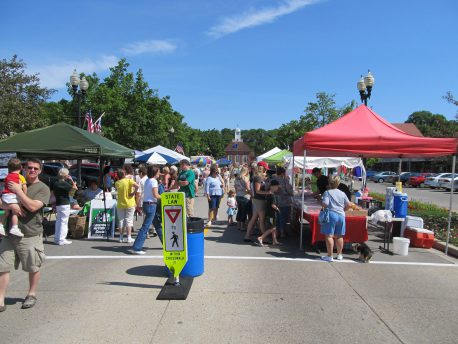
{"x": 365, "y": 252}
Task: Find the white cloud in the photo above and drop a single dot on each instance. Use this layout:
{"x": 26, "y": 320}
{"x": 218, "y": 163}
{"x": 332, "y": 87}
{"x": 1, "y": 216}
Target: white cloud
{"x": 152, "y": 47}
{"x": 57, "y": 75}
{"x": 256, "y": 17}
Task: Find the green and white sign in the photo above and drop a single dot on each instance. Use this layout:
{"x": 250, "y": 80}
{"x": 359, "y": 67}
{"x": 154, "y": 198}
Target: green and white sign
{"x": 174, "y": 231}
{"x": 101, "y": 223}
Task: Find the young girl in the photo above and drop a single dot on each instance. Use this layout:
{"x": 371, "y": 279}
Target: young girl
{"x": 8, "y": 197}
{"x": 232, "y": 207}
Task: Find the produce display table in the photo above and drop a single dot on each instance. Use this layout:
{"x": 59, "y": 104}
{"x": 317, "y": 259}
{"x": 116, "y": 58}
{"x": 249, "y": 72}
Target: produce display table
{"x": 356, "y": 228}
{"x": 356, "y": 225}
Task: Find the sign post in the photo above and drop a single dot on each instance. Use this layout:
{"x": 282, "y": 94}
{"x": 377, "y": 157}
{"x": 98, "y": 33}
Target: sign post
{"x": 174, "y": 237}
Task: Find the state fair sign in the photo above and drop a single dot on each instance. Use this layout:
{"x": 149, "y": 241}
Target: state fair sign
{"x": 174, "y": 240}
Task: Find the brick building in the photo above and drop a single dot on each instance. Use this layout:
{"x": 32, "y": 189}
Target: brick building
{"x": 237, "y": 151}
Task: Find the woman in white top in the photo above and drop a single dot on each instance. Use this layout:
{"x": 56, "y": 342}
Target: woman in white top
{"x": 150, "y": 198}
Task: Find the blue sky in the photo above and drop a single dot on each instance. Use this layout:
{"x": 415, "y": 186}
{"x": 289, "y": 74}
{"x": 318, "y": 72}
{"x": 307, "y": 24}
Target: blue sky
{"x": 252, "y": 63}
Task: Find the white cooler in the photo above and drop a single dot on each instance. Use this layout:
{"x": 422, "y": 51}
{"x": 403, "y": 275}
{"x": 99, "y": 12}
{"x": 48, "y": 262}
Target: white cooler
{"x": 411, "y": 221}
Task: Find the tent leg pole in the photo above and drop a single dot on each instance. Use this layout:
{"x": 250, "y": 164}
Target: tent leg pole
{"x": 302, "y": 203}
{"x": 399, "y": 169}
{"x": 450, "y": 204}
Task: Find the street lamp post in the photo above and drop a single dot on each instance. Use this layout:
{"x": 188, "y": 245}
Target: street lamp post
{"x": 81, "y": 93}
{"x": 364, "y": 86}
{"x": 171, "y": 131}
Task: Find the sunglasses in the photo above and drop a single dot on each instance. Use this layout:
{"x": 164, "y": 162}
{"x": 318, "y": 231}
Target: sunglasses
{"x": 33, "y": 168}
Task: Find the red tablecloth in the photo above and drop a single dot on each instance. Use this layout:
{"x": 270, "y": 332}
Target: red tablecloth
{"x": 355, "y": 228}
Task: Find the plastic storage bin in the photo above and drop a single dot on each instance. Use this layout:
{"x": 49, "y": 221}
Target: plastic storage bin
{"x": 420, "y": 237}
{"x": 401, "y": 201}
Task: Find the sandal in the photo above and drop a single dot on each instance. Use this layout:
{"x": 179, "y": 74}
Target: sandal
{"x": 29, "y": 302}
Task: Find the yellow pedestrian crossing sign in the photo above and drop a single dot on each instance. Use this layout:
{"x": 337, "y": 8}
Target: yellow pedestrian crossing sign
{"x": 174, "y": 237}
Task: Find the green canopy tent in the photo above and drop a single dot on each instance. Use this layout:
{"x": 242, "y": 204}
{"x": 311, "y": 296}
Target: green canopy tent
{"x": 63, "y": 141}
{"x": 278, "y": 158}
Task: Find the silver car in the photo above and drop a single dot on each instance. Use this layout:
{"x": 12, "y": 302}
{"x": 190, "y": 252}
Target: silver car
{"x": 445, "y": 183}
{"x": 433, "y": 181}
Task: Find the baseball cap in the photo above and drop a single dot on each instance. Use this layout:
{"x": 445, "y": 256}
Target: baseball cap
{"x": 263, "y": 164}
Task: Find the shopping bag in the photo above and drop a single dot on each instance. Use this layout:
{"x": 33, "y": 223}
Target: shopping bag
{"x": 324, "y": 216}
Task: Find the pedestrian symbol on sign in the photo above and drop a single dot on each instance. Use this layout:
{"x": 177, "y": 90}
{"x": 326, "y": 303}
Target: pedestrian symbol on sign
{"x": 175, "y": 239}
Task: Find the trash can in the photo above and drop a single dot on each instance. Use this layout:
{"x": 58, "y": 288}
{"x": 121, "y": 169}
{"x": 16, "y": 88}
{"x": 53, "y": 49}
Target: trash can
{"x": 195, "y": 233}
{"x": 400, "y": 204}
{"x": 389, "y": 198}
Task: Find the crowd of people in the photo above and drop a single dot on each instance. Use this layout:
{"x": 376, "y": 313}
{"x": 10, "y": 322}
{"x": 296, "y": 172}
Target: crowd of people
{"x": 256, "y": 196}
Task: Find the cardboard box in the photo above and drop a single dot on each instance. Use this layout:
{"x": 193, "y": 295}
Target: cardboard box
{"x": 350, "y": 213}
{"x": 77, "y": 226}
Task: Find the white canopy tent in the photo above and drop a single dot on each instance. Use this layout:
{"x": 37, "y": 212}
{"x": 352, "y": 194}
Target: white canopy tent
{"x": 328, "y": 162}
{"x": 267, "y": 154}
{"x": 166, "y": 151}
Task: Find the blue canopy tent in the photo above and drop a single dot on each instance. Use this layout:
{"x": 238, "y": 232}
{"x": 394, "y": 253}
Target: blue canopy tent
{"x": 223, "y": 162}
{"x": 156, "y": 158}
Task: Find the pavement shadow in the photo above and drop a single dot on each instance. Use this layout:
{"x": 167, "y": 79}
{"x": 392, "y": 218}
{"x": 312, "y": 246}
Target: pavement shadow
{"x": 133, "y": 285}
{"x": 148, "y": 271}
{"x": 9, "y": 301}
{"x": 126, "y": 248}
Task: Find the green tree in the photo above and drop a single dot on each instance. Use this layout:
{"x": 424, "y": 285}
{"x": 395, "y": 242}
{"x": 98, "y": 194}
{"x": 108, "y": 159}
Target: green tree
{"x": 21, "y": 98}
{"x": 433, "y": 125}
{"x": 451, "y": 99}
{"x": 135, "y": 115}
{"x": 321, "y": 112}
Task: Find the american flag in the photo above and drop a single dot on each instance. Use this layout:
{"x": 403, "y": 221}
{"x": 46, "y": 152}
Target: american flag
{"x": 97, "y": 126}
{"x": 88, "y": 119}
{"x": 179, "y": 148}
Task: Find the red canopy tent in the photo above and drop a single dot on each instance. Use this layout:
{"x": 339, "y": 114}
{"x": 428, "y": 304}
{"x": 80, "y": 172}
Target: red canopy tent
{"x": 363, "y": 133}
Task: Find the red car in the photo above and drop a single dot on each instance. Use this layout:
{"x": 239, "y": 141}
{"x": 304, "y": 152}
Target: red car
{"x": 419, "y": 179}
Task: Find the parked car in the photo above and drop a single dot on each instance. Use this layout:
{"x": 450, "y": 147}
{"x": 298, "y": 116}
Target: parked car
{"x": 370, "y": 173}
{"x": 89, "y": 172}
{"x": 395, "y": 177}
{"x": 381, "y": 176}
{"x": 49, "y": 173}
{"x": 445, "y": 182}
{"x": 3, "y": 174}
{"x": 433, "y": 181}
{"x": 419, "y": 180}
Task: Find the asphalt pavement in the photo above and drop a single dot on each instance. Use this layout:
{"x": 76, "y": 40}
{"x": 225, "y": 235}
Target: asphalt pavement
{"x": 97, "y": 292}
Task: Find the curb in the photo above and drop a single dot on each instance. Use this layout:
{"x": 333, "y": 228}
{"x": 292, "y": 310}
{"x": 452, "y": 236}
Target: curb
{"x": 452, "y": 250}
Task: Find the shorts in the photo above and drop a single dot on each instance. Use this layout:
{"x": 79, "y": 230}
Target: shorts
{"x": 126, "y": 217}
{"x": 214, "y": 201}
{"x": 9, "y": 198}
{"x": 336, "y": 225}
{"x": 190, "y": 207}
{"x": 259, "y": 205}
{"x": 28, "y": 251}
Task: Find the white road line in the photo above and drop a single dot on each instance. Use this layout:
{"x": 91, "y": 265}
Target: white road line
{"x": 345, "y": 261}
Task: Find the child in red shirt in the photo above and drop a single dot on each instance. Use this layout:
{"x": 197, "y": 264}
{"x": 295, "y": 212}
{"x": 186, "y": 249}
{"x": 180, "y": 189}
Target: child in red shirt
{"x": 8, "y": 197}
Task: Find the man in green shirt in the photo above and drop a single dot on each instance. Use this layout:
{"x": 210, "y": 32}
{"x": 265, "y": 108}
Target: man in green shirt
{"x": 28, "y": 250}
{"x": 186, "y": 180}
